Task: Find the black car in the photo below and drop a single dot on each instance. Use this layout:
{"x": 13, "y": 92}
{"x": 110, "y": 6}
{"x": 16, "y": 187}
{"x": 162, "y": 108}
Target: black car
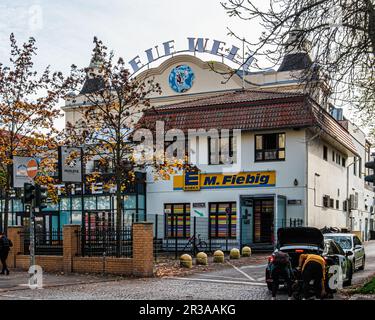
{"x": 308, "y": 240}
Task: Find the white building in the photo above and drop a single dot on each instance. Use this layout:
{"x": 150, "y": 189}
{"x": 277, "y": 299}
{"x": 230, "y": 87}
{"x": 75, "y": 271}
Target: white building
{"x": 309, "y": 159}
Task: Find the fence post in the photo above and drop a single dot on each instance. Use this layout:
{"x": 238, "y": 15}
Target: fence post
{"x": 71, "y": 246}
{"x": 15, "y": 235}
{"x": 143, "y": 257}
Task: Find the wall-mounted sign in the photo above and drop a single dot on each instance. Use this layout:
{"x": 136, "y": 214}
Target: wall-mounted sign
{"x": 70, "y": 164}
{"x": 24, "y": 170}
{"x": 199, "y": 205}
{"x": 194, "y": 45}
{"x": 181, "y": 78}
{"x": 194, "y": 181}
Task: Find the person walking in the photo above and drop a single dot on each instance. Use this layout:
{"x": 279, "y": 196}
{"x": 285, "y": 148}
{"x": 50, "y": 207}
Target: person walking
{"x": 281, "y": 268}
{"x": 313, "y": 268}
{"x": 5, "y": 245}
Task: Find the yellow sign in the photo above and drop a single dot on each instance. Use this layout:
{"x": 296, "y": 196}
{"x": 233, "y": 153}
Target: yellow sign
{"x": 194, "y": 181}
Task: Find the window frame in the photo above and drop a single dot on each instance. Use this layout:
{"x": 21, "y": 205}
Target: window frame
{"x": 231, "y": 149}
{"x": 325, "y": 153}
{"x": 229, "y": 227}
{"x": 278, "y": 149}
{"x": 185, "y": 234}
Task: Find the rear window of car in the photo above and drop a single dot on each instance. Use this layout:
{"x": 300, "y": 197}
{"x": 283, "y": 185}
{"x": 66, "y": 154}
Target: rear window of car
{"x": 345, "y": 242}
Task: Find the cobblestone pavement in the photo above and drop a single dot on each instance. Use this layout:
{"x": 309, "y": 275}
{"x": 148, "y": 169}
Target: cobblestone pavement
{"x": 239, "y": 282}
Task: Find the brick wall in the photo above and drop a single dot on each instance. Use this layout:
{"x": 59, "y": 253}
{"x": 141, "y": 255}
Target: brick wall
{"x": 140, "y": 265}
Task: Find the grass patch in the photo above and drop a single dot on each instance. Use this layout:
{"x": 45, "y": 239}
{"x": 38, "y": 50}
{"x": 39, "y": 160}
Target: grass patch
{"x": 368, "y": 288}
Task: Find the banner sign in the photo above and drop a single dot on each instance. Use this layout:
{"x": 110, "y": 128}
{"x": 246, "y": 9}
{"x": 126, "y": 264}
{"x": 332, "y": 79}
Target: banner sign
{"x": 24, "y": 170}
{"x": 70, "y": 164}
{"x": 195, "y": 181}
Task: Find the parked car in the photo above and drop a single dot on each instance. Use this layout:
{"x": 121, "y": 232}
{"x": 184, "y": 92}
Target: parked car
{"x": 352, "y": 246}
{"x": 307, "y": 240}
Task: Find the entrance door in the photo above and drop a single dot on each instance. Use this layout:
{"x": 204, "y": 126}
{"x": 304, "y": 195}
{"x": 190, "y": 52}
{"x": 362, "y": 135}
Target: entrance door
{"x": 263, "y": 220}
{"x": 246, "y": 218}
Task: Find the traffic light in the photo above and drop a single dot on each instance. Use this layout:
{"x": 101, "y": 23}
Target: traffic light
{"x": 40, "y": 197}
{"x": 371, "y": 177}
{"x": 29, "y": 193}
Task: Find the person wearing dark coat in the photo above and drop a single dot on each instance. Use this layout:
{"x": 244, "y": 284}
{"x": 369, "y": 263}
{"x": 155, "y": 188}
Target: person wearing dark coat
{"x": 5, "y": 245}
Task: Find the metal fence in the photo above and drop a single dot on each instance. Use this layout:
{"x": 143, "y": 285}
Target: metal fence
{"x": 106, "y": 242}
{"x": 197, "y": 235}
{"x": 46, "y": 242}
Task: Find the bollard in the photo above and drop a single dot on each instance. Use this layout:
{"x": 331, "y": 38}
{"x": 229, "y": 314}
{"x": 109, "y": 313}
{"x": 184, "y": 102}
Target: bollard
{"x": 219, "y": 256}
{"x": 186, "y": 261}
{"x": 246, "y": 251}
{"x": 234, "y": 253}
{"x": 202, "y": 258}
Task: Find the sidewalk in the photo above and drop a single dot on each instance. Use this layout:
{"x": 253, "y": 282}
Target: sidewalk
{"x": 18, "y": 280}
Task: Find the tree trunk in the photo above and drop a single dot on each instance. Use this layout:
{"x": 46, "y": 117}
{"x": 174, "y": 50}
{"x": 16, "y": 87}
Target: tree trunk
{"x": 7, "y": 198}
{"x": 118, "y": 215}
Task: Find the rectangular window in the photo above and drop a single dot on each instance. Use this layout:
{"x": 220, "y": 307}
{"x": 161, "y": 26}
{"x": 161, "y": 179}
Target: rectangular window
{"x": 333, "y": 156}
{"x": 360, "y": 167}
{"x": 355, "y": 166}
{"x": 177, "y": 217}
{"x": 270, "y": 147}
{"x": 337, "y": 204}
{"x": 223, "y": 218}
{"x": 345, "y": 205}
{"x": 222, "y": 150}
{"x": 343, "y": 162}
{"x": 325, "y": 201}
{"x": 338, "y": 158}
{"x": 325, "y": 153}
{"x": 331, "y": 203}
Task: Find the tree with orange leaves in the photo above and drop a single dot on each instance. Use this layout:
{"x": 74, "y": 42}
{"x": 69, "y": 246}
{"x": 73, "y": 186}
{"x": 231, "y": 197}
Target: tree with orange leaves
{"x": 27, "y": 113}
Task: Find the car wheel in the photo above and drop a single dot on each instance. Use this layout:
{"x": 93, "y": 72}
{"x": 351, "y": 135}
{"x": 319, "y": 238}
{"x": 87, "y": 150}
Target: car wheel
{"x": 350, "y": 277}
{"x": 363, "y": 264}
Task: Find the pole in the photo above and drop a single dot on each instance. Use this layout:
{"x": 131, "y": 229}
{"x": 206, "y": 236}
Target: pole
{"x": 83, "y": 229}
{"x": 29, "y": 208}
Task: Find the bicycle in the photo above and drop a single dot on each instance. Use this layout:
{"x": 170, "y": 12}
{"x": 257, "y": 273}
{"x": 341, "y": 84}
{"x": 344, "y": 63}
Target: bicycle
{"x": 195, "y": 245}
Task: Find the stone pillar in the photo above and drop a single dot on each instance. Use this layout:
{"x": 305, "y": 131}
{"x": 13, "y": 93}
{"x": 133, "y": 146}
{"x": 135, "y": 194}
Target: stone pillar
{"x": 16, "y": 236}
{"x": 143, "y": 256}
{"x": 71, "y": 245}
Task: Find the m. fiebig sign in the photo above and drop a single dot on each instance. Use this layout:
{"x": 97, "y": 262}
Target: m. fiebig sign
{"x": 195, "y": 181}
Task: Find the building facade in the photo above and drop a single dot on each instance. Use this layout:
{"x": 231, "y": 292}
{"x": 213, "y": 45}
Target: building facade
{"x": 296, "y": 160}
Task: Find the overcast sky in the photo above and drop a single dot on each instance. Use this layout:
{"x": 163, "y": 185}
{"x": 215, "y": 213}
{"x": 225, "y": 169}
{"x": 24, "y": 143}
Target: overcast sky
{"x": 64, "y": 29}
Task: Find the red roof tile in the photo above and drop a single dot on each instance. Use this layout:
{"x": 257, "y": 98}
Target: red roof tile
{"x": 248, "y": 110}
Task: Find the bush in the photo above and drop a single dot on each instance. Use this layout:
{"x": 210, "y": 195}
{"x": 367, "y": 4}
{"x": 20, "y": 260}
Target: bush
{"x": 368, "y": 288}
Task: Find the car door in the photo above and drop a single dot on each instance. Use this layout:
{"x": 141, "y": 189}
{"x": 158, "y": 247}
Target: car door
{"x": 358, "y": 251}
{"x": 343, "y": 260}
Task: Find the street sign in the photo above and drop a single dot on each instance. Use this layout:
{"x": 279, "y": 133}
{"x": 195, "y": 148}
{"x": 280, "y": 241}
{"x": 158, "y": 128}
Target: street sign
{"x": 22, "y": 169}
{"x": 32, "y": 168}
{"x": 70, "y": 164}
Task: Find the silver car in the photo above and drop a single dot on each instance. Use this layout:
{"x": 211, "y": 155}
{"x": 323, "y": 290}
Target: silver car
{"x": 352, "y": 246}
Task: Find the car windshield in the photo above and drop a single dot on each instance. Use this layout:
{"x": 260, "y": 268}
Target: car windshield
{"x": 344, "y": 241}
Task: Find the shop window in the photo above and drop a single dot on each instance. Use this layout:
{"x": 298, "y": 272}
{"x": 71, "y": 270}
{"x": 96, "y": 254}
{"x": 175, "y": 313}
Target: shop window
{"x": 223, "y": 218}
{"x": 325, "y": 153}
{"x": 270, "y": 147}
{"x": 177, "y": 217}
{"x": 222, "y": 149}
